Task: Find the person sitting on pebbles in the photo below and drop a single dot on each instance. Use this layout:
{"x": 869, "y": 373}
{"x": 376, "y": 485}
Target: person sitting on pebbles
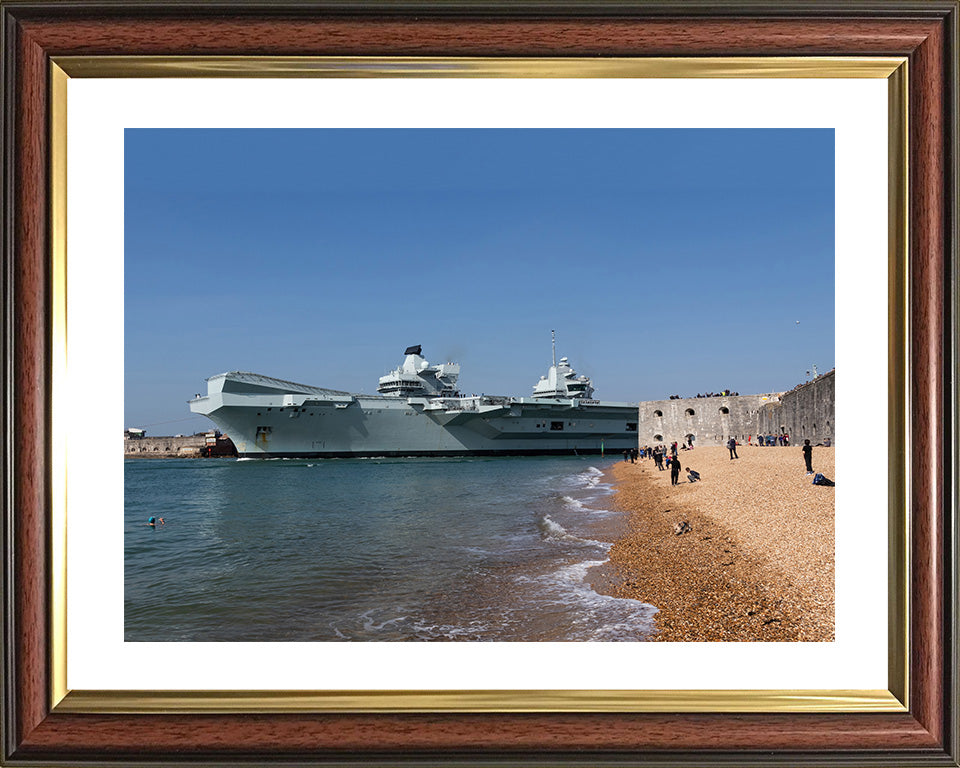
{"x": 692, "y": 475}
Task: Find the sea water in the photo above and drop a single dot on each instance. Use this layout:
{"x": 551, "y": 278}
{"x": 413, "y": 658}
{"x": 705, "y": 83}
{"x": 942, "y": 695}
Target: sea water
{"x": 469, "y": 549}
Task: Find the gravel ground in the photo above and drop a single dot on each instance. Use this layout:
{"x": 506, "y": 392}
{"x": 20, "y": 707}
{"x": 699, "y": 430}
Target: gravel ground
{"x": 758, "y": 562}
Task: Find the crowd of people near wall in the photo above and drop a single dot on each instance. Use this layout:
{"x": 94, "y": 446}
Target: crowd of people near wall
{"x": 725, "y": 393}
{"x": 767, "y": 440}
{"x": 687, "y": 445}
{"x": 664, "y": 460}
{"x": 667, "y": 458}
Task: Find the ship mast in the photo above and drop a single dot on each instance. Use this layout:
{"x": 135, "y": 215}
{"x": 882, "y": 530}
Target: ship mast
{"x": 553, "y": 338}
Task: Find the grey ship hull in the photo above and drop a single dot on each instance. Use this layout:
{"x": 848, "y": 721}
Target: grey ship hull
{"x": 269, "y": 418}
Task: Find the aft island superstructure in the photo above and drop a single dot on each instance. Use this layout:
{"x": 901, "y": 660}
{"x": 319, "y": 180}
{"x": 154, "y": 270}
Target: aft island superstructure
{"x": 418, "y": 411}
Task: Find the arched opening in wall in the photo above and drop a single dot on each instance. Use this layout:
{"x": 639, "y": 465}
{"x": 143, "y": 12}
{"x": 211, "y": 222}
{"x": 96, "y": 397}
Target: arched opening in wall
{"x": 689, "y": 411}
{"x": 658, "y": 414}
{"x": 725, "y": 410}
{"x": 658, "y": 438}
{"x": 783, "y": 429}
{"x": 814, "y": 430}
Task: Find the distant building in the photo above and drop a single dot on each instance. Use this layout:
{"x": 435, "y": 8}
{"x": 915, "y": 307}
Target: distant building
{"x": 134, "y": 434}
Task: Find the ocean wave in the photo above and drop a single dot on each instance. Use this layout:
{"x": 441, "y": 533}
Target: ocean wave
{"x": 371, "y": 625}
{"x": 550, "y": 530}
{"x": 573, "y": 503}
{"x": 471, "y": 630}
{"x": 589, "y": 478}
{"x": 419, "y": 628}
{"x": 597, "y": 617}
{"x": 578, "y": 505}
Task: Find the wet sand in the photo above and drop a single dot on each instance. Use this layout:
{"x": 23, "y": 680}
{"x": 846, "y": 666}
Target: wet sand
{"x": 758, "y": 563}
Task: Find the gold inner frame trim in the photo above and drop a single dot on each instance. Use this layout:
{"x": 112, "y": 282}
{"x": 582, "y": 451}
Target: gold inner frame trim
{"x": 236, "y": 702}
{"x": 426, "y": 66}
{"x": 58, "y": 371}
{"x": 898, "y": 415}
{"x": 893, "y": 69}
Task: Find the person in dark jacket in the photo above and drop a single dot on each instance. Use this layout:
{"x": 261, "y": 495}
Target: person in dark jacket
{"x": 674, "y": 470}
{"x": 808, "y": 456}
{"x": 732, "y": 447}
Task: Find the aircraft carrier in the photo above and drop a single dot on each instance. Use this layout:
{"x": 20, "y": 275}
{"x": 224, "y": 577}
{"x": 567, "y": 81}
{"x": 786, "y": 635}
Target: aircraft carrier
{"x": 418, "y": 411}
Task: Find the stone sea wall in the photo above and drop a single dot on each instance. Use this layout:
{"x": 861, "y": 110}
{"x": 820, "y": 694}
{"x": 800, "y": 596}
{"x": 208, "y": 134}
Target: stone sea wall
{"x": 709, "y": 420}
{"x": 163, "y": 447}
{"x": 806, "y": 412}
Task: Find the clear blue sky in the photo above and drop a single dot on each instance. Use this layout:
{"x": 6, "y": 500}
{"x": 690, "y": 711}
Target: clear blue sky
{"x": 668, "y": 261}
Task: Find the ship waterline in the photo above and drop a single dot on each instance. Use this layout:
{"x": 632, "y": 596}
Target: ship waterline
{"x": 420, "y": 414}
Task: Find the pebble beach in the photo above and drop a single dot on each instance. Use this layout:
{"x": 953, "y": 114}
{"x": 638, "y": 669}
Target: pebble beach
{"x": 757, "y": 563}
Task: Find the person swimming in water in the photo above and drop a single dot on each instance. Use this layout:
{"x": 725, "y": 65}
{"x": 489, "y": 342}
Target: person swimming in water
{"x": 152, "y": 521}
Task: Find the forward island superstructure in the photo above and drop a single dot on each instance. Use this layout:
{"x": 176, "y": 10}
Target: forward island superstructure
{"x": 417, "y": 411}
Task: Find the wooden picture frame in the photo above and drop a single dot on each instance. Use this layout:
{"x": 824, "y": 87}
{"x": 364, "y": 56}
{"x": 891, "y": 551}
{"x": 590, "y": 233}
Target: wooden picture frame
{"x": 35, "y": 34}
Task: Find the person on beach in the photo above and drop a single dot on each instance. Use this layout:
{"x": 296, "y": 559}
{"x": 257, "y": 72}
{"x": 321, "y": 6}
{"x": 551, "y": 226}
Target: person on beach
{"x": 808, "y": 456}
{"x": 732, "y": 447}
{"x": 658, "y": 458}
{"x": 675, "y": 470}
{"x": 692, "y": 475}
{"x": 626, "y": 455}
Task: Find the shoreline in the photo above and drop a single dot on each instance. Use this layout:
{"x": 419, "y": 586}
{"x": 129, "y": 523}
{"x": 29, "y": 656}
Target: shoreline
{"x": 758, "y": 564}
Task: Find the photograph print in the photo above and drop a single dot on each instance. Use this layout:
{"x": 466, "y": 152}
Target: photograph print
{"x": 479, "y": 385}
